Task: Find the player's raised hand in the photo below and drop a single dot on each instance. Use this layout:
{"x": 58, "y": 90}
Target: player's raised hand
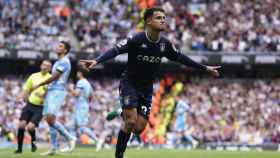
{"x": 213, "y": 70}
{"x": 88, "y": 64}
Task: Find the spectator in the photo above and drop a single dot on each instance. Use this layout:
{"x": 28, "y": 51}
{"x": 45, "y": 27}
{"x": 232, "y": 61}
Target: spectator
{"x": 214, "y": 25}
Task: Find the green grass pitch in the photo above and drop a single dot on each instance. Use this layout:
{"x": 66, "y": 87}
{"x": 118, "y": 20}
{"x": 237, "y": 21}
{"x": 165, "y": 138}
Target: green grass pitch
{"x": 146, "y": 153}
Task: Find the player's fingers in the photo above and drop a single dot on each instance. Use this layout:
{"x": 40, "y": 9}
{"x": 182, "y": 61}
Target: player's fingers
{"x": 84, "y": 60}
{"x": 216, "y": 67}
{"x": 91, "y": 65}
{"x": 87, "y": 69}
{"x": 216, "y": 73}
{"x": 84, "y": 65}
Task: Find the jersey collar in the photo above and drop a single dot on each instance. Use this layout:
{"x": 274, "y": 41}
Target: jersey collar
{"x": 146, "y": 33}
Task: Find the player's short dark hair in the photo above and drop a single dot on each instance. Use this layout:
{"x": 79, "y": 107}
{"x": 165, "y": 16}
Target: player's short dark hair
{"x": 149, "y": 12}
{"x": 67, "y": 46}
{"x": 82, "y": 70}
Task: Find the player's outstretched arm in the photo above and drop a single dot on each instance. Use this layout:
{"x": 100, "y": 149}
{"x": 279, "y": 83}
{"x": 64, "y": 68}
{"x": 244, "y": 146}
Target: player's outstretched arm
{"x": 55, "y": 76}
{"x": 122, "y": 47}
{"x": 174, "y": 54}
{"x": 213, "y": 70}
{"x": 90, "y": 64}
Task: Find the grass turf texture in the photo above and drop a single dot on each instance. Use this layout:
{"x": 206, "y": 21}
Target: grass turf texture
{"x": 145, "y": 153}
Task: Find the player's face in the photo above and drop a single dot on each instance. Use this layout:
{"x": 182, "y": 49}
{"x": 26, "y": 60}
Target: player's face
{"x": 79, "y": 74}
{"x": 45, "y": 66}
{"x": 158, "y": 21}
{"x": 60, "y": 49}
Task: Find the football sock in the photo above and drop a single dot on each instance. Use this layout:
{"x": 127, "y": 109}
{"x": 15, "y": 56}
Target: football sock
{"x": 33, "y": 135}
{"x": 53, "y": 135}
{"x": 62, "y": 130}
{"x": 121, "y": 143}
{"x": 89, "y": 132}
{"x": 20, "y": 138}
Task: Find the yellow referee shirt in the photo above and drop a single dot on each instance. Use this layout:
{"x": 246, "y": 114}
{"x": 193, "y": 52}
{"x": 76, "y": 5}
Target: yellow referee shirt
{"x": 37, "y": 96}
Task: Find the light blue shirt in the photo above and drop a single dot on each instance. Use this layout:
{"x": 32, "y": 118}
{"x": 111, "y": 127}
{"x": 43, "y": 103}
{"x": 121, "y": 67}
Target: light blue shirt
{"x": 85, "y": 89}
{"x": 181, "y": 109}
{"x": 62, "y": 65}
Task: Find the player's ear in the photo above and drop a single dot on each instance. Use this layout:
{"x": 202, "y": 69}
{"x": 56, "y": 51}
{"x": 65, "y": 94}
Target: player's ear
{"x": 149, "y": 20}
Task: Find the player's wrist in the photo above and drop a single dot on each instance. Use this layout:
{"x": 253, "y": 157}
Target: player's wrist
{"x": 207, "y": 68}
{"x": 97, "y": 61}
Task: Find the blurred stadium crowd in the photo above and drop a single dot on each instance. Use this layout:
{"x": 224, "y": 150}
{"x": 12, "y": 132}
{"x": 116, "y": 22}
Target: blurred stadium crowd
{"x": 225, "y": 110}
{"x": 218, "y": 111}
{"x": 95, "y": 25}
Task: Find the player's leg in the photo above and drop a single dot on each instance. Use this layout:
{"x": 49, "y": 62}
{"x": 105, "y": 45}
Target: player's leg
{"x": 61, "y": 130}
{"x": 101, "y": 140}
{"x": 129, "y": 103}
{"x": 86, "y": 130}
{"x": 135, "y": 137}
{"x": 37, "y": 112}
{"x": 50, "y": 118}
{"x": 48, "y": 111}
{"x": 139, "y": 127}
{"x": 143, "y": 110}
{"x": 140, "y": 124}
{"x": 31, "y": 130}
{"x": 24, "y": 119}
{"x": 56, "y": 100}
{"x": 81, "y": 119}
{"x": 187, "y": 135}
{"x": 129, "y": 118}
{"x": 20, "y": 136}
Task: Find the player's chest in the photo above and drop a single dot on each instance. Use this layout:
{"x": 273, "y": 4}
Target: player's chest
{"x": 149, "y": 52}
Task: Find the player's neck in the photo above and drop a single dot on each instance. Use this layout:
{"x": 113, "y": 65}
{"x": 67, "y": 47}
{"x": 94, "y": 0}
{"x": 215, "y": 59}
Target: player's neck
{"x": 153, "y": 36}
{"x": 43, "y": 72}
{"x": 60, "y": 56}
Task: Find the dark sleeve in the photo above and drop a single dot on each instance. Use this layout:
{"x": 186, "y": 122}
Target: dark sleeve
{"x": 111, "y": 53}
{"x": 172, "y": 53}
{"x": 124, "y": 46}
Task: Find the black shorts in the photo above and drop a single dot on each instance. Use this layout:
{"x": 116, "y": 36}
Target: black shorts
{"x": 132, "y": 96}
{"x": 32, "y": 113}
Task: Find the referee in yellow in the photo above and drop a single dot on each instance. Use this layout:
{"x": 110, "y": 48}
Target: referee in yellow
{"x": 32, "y": 113}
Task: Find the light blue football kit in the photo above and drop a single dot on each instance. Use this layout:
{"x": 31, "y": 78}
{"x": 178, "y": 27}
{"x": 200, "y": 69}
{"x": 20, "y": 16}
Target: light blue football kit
{"x": 81, "y": 109}
{"x": 181, "y": 109}
{"x": 55, "y": 99}
{"x": 56, "y": 90}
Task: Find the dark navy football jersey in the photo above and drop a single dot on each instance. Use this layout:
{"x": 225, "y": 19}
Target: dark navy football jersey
{"x": 144, "y": 57}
